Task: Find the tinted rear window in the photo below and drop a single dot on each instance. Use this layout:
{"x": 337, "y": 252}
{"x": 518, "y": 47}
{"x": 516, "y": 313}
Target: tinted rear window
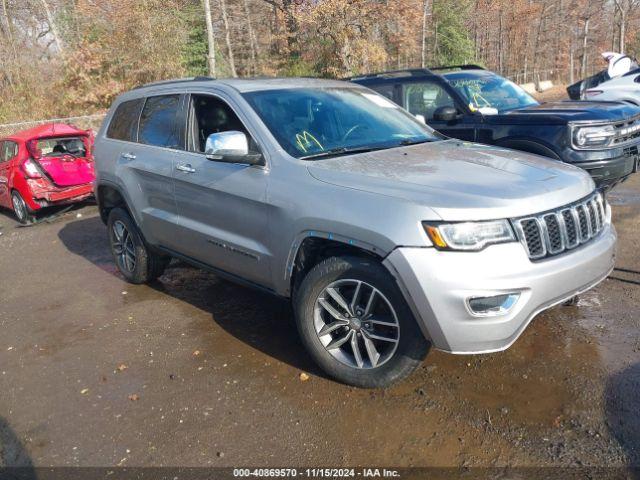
{"x": 124, "y": 124}
{"x": 158, "y": 124}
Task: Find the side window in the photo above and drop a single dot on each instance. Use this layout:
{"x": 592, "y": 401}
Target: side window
{"x": 8, "y": 150}
{"x": 425, "y": 98}
{"x": 158, "y": 124}
{"x": 209, "y": 115}
{"x": 385, "y": 90}
{"x": 124, "y": 124}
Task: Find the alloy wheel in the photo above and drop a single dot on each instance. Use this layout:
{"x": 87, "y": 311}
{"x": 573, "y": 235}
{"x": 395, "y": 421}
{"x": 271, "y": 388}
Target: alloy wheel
{"x": 356, "y": 324}
{"x": 19, "y": 207}
{"x": 123, "y": 246}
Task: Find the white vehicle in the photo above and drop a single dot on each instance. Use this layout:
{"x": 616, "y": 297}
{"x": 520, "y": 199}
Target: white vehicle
{"x": 619, "y": 83}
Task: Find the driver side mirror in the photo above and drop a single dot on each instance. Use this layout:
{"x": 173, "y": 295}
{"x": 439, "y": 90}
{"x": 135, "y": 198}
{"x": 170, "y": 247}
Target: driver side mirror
{"x": 446, "y": 114}
{"x": 231, "y": 147}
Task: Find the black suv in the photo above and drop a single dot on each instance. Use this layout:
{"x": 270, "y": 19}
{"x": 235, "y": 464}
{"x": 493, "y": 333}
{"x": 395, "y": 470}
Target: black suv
{"x": 471, "y": 103}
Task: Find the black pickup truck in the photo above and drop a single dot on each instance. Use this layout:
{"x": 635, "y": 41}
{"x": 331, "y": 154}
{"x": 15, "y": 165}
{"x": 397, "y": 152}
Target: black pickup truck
{"x": 474, "y": 104}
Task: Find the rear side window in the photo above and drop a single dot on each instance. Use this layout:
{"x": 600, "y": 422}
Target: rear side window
{"x": 386, "y": 90}
{"x": 158, "y": 124}
{"x": 124, "y": 124}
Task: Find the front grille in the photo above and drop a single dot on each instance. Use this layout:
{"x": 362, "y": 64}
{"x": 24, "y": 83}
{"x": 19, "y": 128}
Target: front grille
{"x": 554, "y": 232}
{"x": 626, "y": 131}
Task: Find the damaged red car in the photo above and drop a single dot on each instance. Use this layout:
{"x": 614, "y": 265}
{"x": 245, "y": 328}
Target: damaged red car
{"x": 45, "y": 166}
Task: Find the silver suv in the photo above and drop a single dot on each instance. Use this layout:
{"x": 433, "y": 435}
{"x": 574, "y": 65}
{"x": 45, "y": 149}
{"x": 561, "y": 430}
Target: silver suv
{"x": 387, "y": 237}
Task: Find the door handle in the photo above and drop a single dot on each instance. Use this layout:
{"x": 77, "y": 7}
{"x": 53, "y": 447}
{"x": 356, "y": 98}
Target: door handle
{"x": 186, "y": 167}
{"x": 128, "y": 156}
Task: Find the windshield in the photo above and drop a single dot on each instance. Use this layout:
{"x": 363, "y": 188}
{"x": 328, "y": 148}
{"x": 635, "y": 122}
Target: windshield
{"x": 489, "y": 93}
{"x": 307, "y": 122}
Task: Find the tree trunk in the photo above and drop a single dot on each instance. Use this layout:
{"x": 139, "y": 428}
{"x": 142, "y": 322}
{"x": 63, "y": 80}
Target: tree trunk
{"x": 585, "y": 39}
{"x": 52, "y": 25}
{"x": 252, "y": 38}
{"x": 425, "y": 14}
{"x": 227, "y": 37}
{"x": 211, "y": 40}
{"x": 623, "y": 27}
{"x": 5, "y": 17}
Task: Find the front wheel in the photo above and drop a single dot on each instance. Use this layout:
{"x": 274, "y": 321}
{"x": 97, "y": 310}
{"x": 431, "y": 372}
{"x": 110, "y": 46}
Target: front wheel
{"x": 133, "y": 258}
{"x": 21, "y": 209}
{"x": 355, "y": 323}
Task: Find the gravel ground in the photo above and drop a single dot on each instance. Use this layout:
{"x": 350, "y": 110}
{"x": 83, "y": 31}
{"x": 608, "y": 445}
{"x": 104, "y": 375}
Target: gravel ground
{"x": 196, "y": 371}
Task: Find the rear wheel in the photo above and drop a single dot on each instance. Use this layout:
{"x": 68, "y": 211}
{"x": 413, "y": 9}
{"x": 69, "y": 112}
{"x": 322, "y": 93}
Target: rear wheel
{"x": 356, "y": 324}
{"x": 21, "y": 210}
{"x": 133, "y": 258}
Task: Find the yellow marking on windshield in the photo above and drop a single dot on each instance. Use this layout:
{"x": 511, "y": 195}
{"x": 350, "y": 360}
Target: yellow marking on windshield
{"x": 305, "y": 140}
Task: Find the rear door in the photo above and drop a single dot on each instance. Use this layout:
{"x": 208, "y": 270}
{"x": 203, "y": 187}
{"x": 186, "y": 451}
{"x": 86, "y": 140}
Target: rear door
{"x": 424, "y": 97}
{"x": 64, "y": 159}
{"x": 145, "y": 138}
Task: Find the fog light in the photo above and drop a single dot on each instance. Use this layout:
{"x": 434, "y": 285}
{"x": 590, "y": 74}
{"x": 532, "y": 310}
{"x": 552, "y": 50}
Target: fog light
{"x": 496, "y": 305}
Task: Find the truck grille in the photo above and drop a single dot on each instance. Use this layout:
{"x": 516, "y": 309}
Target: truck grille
{"x": 565, "y": 228}
{"x": 626, "y": 131}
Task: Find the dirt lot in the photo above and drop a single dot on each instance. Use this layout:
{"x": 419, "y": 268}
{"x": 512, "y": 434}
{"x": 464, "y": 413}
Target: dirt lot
{"x": 197, "y": 371}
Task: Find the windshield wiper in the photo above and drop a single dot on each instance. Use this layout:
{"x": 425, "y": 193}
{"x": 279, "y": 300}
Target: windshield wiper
{"x": 333, "y": 152}
{"x": 409, "y": 141}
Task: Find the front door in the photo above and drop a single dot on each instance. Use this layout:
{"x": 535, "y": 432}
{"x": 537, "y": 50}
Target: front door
{"x": 425, "y": 97}
{"x": 221, "y": 206}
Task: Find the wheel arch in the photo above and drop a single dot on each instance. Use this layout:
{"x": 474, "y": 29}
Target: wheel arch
{"x": 108, "y": 197}
{"x": 311, "y": 247}
{"x": 531, "y": 146}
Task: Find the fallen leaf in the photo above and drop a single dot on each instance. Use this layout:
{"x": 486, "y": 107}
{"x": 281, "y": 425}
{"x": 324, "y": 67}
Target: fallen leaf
{"x": 84, "y": 391}
{"x": 304, "y": 377}
{"x": 134, "y": 398}
{"x": 122, "y": 367}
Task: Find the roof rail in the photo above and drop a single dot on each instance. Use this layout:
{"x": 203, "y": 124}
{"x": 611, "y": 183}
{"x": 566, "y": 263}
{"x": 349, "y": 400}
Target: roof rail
{"x": 458, "y": 67}
{"x": 409, "y": 72}
{"x": 174, "y": 80}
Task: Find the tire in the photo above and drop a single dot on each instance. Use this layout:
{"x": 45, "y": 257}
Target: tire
{"x": 395, "y": 360}
{"x": 572, "y": 302}
{"x": 137, "y": 263}
{"x": 21, "y": 210}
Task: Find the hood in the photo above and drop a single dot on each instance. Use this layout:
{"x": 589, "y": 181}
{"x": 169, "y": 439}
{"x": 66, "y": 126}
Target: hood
{"x": 460, "y": 181}
{"x": 577, "y": 111}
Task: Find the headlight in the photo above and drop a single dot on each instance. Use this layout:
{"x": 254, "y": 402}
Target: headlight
{"x": 587, "y": 137}
{"x": 469, "y": 235}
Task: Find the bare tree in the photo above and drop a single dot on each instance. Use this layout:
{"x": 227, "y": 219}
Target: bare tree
{"x": 426, "y": 13}
{"x": 252, "y": 37}
{"x": 52, "y": 25}
{"x": 211, "y": 39}
{"x": 625, "y": 9}
{"x": 585, "y": 40}
{"x": 6, "y": 21}
{"x": 227, "y": 37}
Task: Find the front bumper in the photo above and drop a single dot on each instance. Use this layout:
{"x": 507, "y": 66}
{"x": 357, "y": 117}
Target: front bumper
{"x": 606, "y": 173}
{"x": 437, "y": 285}
{"x": 607, "y": 167}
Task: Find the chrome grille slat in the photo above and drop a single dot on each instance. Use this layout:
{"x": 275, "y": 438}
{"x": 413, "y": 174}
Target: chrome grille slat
{"x": 565, "y": 228}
